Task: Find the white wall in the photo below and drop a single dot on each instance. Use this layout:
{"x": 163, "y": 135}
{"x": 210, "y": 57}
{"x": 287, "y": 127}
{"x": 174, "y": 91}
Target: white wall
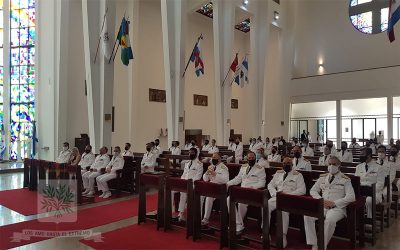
{"x": 315, "y": 109}
{"x": 373, "y": 106}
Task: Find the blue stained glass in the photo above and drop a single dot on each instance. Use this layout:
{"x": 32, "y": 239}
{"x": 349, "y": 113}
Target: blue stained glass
{"x": 31, "y": 3}
{"x": 27, "y": 94}
{"x": 14, "y": 57}
{"x": 14, "y": 75}
{"x": 32, "y": 35}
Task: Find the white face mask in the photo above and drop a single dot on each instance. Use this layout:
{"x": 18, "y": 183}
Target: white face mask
{"x": 381, "y": 156}
{"x": 332, "y": 169}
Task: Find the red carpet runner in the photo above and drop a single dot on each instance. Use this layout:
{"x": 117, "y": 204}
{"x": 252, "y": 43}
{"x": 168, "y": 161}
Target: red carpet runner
{"x": 87, "y": 218}
{"x": 24, "y": 201}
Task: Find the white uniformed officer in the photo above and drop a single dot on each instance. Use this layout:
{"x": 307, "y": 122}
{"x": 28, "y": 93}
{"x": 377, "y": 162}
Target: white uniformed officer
{"x": 216, "y": 173}
{"x": 193, "y": 170}
{"x": 89, "y": 177}
{"x": 324, "y": 158}
{"x": 250, "y": 175}
{"x": 299, "y": 163}
{"x": 87, "y": 158}
{"x": 238, "y": 149}
{"x": 274, "y": 156}
{"x": 65, "y": 154}
{"x": 116, "y": 163}
{"x": 288, "y": 181}
{"x": 206, "y": 145}
{"x": 175, "y": 149}
{"x": 389, "y": 168}
{"x": 157, "y": 147}
{"x": 354, "y": 144}
{"x": 261, "y": 159}
{"x": 127, "y": 151}
{"x": 213, "y": 148}
{"x": 149, "y": 160}
{"x": 337, "y": 193}
{"x": 344, "y": 154}
{"x": 267, "y": 146}
{"x": 370, "y": 173}
{"x": 394, "y": 160}
{"x": 306, "y": 149}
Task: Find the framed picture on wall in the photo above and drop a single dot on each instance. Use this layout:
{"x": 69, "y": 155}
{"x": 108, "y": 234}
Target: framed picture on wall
{"x": 157, "y": 95}
{"x": 234, "y": 104}
{"x": 200, "y": 100}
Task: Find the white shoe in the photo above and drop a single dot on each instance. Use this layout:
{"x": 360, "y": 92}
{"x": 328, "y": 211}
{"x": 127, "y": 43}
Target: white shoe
{"x": 107, "y": 195}
{"x": 86, "y": 191}
{"x": 102, "y": 195}
{"x": 204, "y": 222}
{"x": 90, "y": 194}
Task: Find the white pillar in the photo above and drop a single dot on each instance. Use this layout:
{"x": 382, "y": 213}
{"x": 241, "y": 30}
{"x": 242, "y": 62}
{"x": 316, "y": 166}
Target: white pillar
{"x": 259, "y": 34}
{"x": 338, "y": 123}
{"x": 173, "y": 14}
{"x": 223, "y": 25}
{"x": 389, "y": 119}
{"x": 99, "y": 75}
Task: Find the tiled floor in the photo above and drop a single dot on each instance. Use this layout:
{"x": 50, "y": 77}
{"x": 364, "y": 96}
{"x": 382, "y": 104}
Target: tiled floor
{"x": 389, "y": 239}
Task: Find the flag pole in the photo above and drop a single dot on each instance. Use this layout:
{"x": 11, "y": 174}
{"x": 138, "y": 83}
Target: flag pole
{"x": 116, "y": 39}
{"x": 187, "y": 65}
{"x": 98, "y": 43}
{"x": 227, "y": 73}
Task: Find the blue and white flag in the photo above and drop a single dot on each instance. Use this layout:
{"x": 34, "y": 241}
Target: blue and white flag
{"x": 394, "y": 17}
{"x": 242, "y": 73}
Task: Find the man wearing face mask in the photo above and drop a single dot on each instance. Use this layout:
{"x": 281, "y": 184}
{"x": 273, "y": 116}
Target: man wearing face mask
{"x": 354, "y": 143}
{"x": 193, "y": 170}
{"x": 288, "y": 181}
{"x": 274, "y": 156}
{"x": 261, "y": 159}
{"x": 174, "y": 149}
{"x": 206, "y": 145}
{"x": 299, "y": 163}
{"x": 370, "y": 173}
{"x": 324, "y": 159}
{"x": 216, "y": 173}
{"x": 149, "y": 160}
{"x": 238, "y": 149}
{"x": 116, "y": 163}
{"x": 336, "y": 190}
{"x": 213, "y": 148}
{"x": 65, "y": 154}
{"x": 344, "y": 154}
{"x": 157, "y": 147}
{"x": 331, "y": 146}
{"x": 252, "y": 145}
{"x": 87, "y": 158}
{"x": 251, "y": 175}
{"x": 127, "y": 151}
{"x": 306, "y": 149}
{"x": 90, "y": 176}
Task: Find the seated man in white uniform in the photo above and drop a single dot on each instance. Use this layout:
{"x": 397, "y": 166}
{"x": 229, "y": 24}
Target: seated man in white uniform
{"x": 206, "y": 145}
{"x": 274, "y": 156}
{"x": 251, "y": 175}
{"x": 370, "y": 173}
{"x": 149, "y": 160}
{"x": 344, "y": 154}
{"x": 267, "y": 146}
{"x": 252, "y": 145}
{"x": 127, "y": 151}
{"x": 261, "y": 158}
{"x": 299, "y": 163}
{"x": 211, "y": 150}
{"x": 390, "y": 169}
{"x": 288, "y": 181}
{"x": 259, "y": 144}
{"x": 174, "y": 149}
{"x": 324, "y": 158}
{"x": 354, "y": 144}
{"x": 295, "y": 142}
{"x": 370, "y": 144}
{"x": 217, "y": 173}
{"x": 90, "y": 176}
{"x": 187, "y": 146}
{"x": 230, "y": 144}
{"x": 87, "y": 159}
{"x": 65, "y": 154}
{"x": 193, "y": 170}
{"x": 336, "y": 190}
{"x": 157, "y": 147}
{"x": 394, "y": 160}
{"x": 306, "y": 149}
{"x": 116, "y": 163}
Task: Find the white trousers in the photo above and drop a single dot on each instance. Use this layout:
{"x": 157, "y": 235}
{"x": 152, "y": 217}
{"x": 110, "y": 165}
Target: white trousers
{"x": 368, "y": 204}
{"x": 88, "y": 179}
{"x": 332, "y": 216}
{"x": 240, "y": 214}
{"x": 102, "y": 181}
{"x": 285, "y": 215}
{"x": 207, "y": 207}
{"x": 182, "y": 201}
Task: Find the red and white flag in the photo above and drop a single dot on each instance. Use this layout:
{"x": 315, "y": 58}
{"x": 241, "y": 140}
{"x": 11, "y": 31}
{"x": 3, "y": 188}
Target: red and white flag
{"x": 394, "y": 16}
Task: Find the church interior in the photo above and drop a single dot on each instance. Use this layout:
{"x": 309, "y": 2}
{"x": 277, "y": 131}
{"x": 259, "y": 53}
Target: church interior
{"x": 199, "y": 124}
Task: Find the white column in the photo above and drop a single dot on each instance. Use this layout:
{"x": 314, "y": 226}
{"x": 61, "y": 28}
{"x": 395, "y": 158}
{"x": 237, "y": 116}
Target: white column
{"x": 338, "y": 123}
{"x": 389, "y": 119}
{"x": 6, "y": 79}
{"x": 173, "y": 26}
{"x": 223, "y": 24}
{"x": 99, "y": 75}
{"x": 259, "y": 34}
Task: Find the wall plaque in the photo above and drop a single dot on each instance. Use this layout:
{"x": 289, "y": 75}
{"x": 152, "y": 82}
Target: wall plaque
{"x": 200, "y": 100}
{"x": 157, "y": 95}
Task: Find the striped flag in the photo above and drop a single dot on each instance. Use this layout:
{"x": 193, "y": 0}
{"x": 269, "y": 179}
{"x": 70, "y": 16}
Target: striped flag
{"x": 394, "y": 16}
{"x": 242, "y": 73}
{"x": 196, "y": 58}
{"x": 235, "y": 63}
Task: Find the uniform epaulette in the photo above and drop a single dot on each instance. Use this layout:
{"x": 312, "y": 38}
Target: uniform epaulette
{"x": 280, "y": 171}
{"x": 295, "y": 172}
{"x": 224, "y": 167}
{"x": 306, "y": 160}
{"x": 259, "y": 167}
{"x": 322, "y": 175}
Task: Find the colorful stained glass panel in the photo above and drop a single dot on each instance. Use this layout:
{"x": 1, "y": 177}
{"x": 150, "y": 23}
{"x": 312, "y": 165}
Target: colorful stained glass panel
{"x": 363, "y": 22}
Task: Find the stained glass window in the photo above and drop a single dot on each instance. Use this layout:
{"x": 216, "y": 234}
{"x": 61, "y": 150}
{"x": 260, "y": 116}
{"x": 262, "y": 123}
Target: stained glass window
{"x": 363, "y": 22}
{"x": 369, "y": 16}
{"x": 357, "y": 2}
{"x": 22, "y": 76}
{"x": 244, "y": 25}
{"x": 2, "y": 132}
{"x": 206, "y": 10}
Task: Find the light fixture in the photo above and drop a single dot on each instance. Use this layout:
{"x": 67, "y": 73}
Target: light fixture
{"x": 245, "y": 2}
{"x": 276, "y": 15}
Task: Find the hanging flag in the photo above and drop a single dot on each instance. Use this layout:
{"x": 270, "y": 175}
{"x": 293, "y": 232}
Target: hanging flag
{"x": 196, "y": 58}
{"x": 105, "y": 38}
{"x": 394, "y": 16}
{"x": 241, "y": 73}
{"x": 235, "y": 63}
{"x": 124, "y": 42}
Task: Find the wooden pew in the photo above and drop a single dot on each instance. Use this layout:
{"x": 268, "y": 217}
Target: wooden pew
{"x": 383, "y": 208}
{"x": 370, "y": 191}
{"x": 27, "y": 166}
{"x": 33, "y": 175}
